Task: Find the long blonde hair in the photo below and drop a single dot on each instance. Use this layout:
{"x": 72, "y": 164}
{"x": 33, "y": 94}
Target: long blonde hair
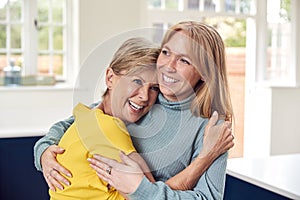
{"x": 208, "y": 51}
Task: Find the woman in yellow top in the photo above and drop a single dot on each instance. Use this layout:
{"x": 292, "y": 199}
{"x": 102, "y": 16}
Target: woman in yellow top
{"x": 132, "y": 89}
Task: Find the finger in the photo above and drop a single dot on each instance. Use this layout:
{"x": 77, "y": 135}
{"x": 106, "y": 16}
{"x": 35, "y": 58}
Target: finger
{"x": 59, "y": 178}
{"x": 225, "y": 131}
{"x": 62, "y": 170}
{"x": 55, "y": 183}
{"x": 126, "y": 159}
{"x": 56, "y": 149}
{"x": 105, "y": 160}
{"x": 49, "y": 183}
{"x": 229, "y": 143}
{"x": 101, "y": 172}
{"x": 213, "y": 120}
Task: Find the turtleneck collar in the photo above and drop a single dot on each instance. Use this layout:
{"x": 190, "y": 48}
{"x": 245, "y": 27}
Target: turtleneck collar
{"x": 176, "y": 105}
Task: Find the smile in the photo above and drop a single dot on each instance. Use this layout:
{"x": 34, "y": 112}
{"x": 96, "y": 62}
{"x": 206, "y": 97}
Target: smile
{"x": 135, "y": 106}
{"x": 169, "y": 79}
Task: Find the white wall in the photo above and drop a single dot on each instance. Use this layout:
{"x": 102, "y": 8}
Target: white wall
{"x": 272, "y": 121}
{"x": 285, "y": 127}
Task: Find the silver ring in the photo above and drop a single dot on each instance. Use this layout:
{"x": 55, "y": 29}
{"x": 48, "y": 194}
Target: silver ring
{"x": 108, "y": 169}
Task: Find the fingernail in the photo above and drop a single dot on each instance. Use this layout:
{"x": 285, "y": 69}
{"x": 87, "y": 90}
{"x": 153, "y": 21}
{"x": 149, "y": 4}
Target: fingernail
{"x": 69, "y": 175}
{"x": 89, "y": 159}
{"x": 214, "y": 113}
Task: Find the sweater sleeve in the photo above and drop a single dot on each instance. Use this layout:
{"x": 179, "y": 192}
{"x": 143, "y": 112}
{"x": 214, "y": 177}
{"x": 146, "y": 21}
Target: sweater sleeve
{"x": 54, "y": 135}
{"x": 210, "y": 185}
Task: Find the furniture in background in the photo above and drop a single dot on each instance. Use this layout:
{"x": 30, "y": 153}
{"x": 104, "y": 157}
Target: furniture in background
{"x": 271, "y": 178}
{"x": 274, "y": 178}
{"x": 18, "y": 177}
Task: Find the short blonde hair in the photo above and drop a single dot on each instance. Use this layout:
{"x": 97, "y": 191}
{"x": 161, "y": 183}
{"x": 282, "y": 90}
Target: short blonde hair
{"x": 208, "y": 53}
{"x": 135, "y": 54}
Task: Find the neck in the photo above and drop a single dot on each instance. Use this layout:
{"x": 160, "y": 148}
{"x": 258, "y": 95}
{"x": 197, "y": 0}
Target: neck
{"x": 105, "y": 106}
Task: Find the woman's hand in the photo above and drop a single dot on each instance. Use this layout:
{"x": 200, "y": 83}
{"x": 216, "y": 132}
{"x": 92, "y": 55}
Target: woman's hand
{"x": 125, "y": 176}
{"x": 217, "y": 138}
{"x": 52, "y": 170}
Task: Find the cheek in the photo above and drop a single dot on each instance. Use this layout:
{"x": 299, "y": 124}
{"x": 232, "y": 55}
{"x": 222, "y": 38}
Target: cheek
{"x": 192, "y": 76}
{"x": 160, "y": 61}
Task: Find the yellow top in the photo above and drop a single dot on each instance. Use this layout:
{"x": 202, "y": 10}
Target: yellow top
{"x": 93, "y": 132}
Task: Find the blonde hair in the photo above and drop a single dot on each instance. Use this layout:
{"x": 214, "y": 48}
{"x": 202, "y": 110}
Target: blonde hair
{"x": 208, "y": 52}
{"x": 134, "y": 55}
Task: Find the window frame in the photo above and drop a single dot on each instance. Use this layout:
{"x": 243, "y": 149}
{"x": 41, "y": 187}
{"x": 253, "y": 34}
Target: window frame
{"x": 256, "y": 22}
{"x": 29, "y": 41}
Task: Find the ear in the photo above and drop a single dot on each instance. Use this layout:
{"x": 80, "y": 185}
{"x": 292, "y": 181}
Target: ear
{"x": 109, "y": 77}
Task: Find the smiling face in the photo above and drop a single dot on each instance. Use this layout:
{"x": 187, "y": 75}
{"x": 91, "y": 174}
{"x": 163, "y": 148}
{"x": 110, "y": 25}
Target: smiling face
{"x": 132, "y": 95}
{"x": 177, "y": 74}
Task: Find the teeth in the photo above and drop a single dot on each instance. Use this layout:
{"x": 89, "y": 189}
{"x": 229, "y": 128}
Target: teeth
{"x": 169, "y": 79}
{"x": 134, "y": 105}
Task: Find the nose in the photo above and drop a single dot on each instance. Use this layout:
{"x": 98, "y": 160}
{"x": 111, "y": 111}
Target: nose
{"x": 144, "y": 93}
{"x": 171, "y": 63}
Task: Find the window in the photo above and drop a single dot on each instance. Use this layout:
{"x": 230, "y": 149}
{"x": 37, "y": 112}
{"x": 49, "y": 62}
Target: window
{"x": 34, "y": 35}
{"x": 279, "y": 53}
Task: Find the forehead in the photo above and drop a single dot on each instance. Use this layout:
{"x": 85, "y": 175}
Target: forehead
{"x": 179, "y": 43}
{"x": 147, "y": 74}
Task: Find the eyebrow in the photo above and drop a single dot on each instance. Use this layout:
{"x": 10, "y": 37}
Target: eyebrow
{"x": 184, "y": 55}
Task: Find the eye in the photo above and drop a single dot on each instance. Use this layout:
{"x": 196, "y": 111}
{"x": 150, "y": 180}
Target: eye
{"x": 185, "y": 61}
{"x": 164, "y": 52}
{"x": 155, "y": 88}
{"x": 138, "y": 81}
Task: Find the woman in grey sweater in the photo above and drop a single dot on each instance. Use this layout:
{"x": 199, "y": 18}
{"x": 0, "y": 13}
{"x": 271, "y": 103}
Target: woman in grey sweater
{"x": 193, "y": 83}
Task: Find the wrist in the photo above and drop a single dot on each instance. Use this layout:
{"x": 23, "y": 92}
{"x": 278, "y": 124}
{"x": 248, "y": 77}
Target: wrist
{"x": 207, "y": 157}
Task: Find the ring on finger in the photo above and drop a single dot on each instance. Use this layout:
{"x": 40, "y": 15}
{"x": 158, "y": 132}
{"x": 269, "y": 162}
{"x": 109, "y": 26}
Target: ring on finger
{"x": 108, "y": 170}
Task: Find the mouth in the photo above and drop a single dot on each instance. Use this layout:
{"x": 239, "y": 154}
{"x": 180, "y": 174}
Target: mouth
{"x": 169, "y": 79}
{"x": 135, "y": 106}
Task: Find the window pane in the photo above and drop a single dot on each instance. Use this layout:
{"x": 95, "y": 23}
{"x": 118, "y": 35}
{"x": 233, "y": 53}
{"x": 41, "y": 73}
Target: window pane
{"x": 43, "y": 64}
{"x": 171, "y": 4}
{"x": 209, "y": 5}
{"x": 2, "y": 36}
{"x": 193, "y": 4}
{"x": 154, "y": 4}
{"x": 57, "y": 11}
{"x": 240, "y": 6}
{"x": 15, "y": 10}
{"x": 58, "y": 38}
{"x": 17, "y": 59}
{"x": 43, "y": 6}
{"x": 44, "y": 38}
{"x": 232, "y": 30}
{"x": 3, "y": 4}
{"x": 279, "y": 46}
{"x": 58, "y": 64}
{"x": 15, "y": 39}
{"x": 3, "y": 62}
